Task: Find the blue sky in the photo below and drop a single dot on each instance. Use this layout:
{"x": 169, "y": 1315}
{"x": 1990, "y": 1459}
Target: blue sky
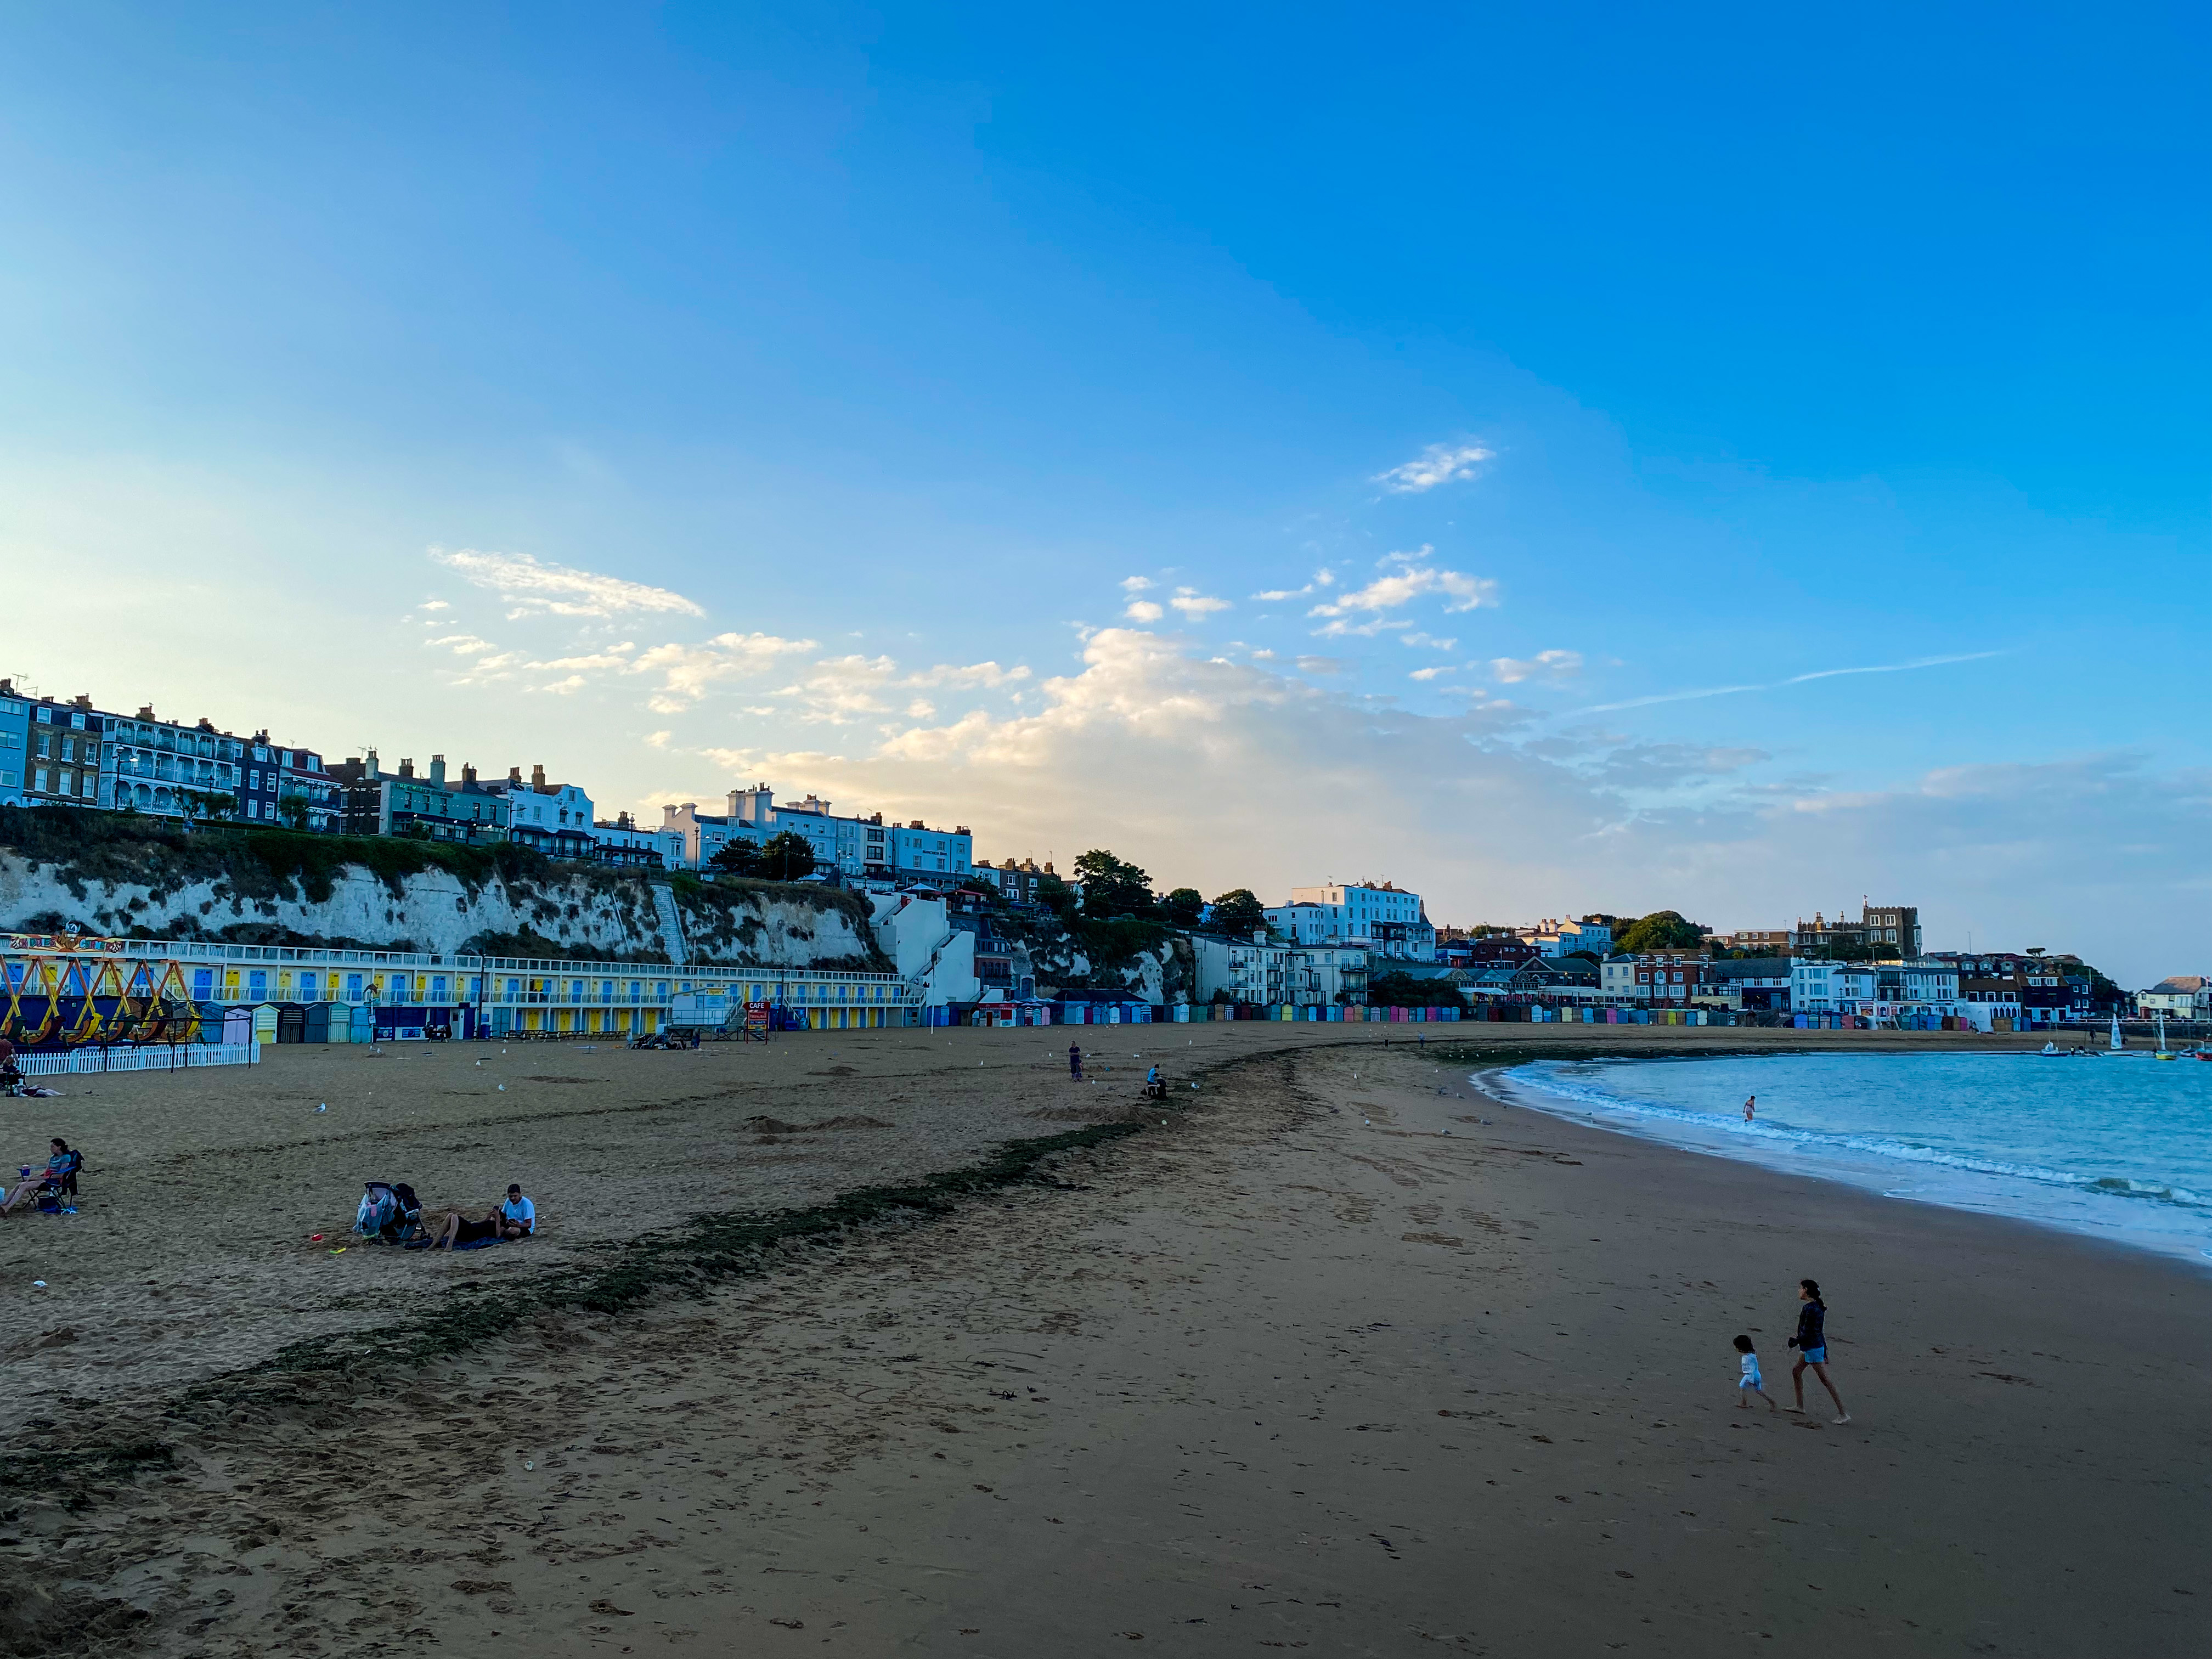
{"x": 866, "y": 361}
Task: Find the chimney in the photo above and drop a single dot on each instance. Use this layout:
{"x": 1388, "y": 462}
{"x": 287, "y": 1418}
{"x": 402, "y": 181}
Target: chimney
{"x": 372, "y": 773}
{"x": 437, "y": 771}
{"x": 468, "y": 772}
{"x": 406, "y": 768}
{"x": 145, "y": 712}
{"x": 515, "y": 776}
{"x": 537, "y": 777}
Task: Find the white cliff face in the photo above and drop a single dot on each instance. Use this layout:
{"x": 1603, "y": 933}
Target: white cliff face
{"x": 612, "y": 916}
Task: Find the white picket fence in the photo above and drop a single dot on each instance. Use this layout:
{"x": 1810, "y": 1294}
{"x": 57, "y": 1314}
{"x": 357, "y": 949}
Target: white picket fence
{"x": 153, "y": 1058}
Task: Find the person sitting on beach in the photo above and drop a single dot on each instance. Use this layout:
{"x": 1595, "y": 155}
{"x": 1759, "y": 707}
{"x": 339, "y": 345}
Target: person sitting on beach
{"x": 61, "y": 1164}
{"x": 1751, "y": 1379}
{"x": 1812, "y": 1345}
{"x": 1156, "y": 1084}
{"x": 459, "y": 1229}
{"x": 518, "y": 1216}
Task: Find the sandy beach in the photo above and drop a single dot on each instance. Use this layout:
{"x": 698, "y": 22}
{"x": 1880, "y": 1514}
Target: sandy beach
{"x": 1340, "y": 1354}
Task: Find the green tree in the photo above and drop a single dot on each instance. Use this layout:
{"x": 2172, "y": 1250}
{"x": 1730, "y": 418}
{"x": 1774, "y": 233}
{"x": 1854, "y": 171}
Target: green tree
{"x": 787, "y": 856}
{"x": 206, "y": 804}
{"x": 1183, "y": 907}
{"x": 1057, "y": 896}
{"x": 740, "y": 857}
{"x": 293, "y": 809}
{"x": 1237, "y": 911}
{"x": 1663, "y": 930}
{"x": 1111, "y": 886}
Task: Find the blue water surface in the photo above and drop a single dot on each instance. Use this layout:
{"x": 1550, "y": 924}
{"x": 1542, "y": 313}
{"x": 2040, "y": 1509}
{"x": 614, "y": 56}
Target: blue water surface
{"x": 2120, "y": 1145}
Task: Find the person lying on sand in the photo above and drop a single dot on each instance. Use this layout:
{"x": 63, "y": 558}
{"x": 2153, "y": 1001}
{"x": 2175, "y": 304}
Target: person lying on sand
{"x": 459, "y": 1229}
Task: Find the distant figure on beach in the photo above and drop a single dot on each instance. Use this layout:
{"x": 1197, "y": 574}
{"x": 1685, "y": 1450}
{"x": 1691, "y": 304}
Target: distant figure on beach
{"x": 1075, "y": 1062}
{"x": 1812, "y": 1345}
{"x": 1750, "y": 1107}
{"x": 1751, "y": 1379}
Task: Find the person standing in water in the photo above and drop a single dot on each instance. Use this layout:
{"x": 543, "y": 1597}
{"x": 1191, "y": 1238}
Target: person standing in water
{"x": 1750, "y": 1107}
{"x": 1812, "y": 1345}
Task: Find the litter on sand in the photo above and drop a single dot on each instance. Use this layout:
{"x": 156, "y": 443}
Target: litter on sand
{"x": 40, "y": 1282}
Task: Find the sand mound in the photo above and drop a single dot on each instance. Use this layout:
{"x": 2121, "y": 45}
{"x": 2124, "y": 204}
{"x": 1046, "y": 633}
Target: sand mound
{"x": 776, "y": 1126}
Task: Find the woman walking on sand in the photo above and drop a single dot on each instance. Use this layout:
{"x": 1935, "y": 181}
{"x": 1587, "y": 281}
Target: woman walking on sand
{"x": 1812, "y": 1345}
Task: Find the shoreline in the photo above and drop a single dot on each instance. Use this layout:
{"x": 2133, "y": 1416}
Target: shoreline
{"x": 1328, "y": 1359}
{"x": 1873, "y": 1177}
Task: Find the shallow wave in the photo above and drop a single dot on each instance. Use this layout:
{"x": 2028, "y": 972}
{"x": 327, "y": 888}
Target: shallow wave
{"x": 1538, "y": 1076}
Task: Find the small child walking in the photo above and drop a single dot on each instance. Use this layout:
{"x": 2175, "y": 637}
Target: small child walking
{"x": 1751, "y": 1379}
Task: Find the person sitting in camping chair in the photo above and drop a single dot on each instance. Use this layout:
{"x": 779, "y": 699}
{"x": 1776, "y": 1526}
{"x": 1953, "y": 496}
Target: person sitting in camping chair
{"x": 1156, "y": 1084}
{"x": 59, "y": 1177}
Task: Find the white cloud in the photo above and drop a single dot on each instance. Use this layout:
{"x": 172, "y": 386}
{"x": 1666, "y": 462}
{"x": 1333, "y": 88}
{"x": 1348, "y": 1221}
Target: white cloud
{"x": 1411, "y": 580}
{"x": 1136, "y": 584}
{"x": 1431, "y": 673}
{"x": 434, "y": 604}
{"x": 988, "y": 674}
{"x": 1143, "y": 611}
{"x": 689, "y": 673}
{"x": 533, "y": 587}
{"x": 1321, "y": 578}
{"x": 1195, "y": 605}
{"x": 1544, "y": 665}
{"x": 462, "y": 645}
{"x": 2076, "y": 855}
{"x": 1323, "y": 666}
{"x": 838, "y": 691}
{"x": 1439, "y": 463}
{"x": 1428, "y": 641}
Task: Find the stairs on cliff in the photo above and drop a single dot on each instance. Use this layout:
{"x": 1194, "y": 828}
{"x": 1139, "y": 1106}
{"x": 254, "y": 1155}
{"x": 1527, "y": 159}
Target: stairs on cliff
{"x": 672, "y": 924}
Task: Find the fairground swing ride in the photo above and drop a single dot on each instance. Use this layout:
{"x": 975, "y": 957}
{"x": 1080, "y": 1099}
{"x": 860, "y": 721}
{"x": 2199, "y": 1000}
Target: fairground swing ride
{"x": 60, "y": 994}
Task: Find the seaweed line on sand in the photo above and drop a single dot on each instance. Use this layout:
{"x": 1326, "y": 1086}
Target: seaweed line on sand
{"x": 687, "y": 1258}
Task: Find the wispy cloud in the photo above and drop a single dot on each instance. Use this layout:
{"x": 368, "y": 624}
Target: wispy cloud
{"x": 1194, "y": 605}
{"x": 1544, "y": 665}
{"x": 532, "y": 587}
{"x": 975, "y": 673}
{"x": 1320, "y": 579}
{"x": 1439, "y": 463}
{"x": 689, "y": 673}
{"x": 1776, "y": 685}
{"x": 1410, "y": 579}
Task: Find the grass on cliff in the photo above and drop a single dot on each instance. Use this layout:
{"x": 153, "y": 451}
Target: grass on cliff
{"x": 122, "y": 848}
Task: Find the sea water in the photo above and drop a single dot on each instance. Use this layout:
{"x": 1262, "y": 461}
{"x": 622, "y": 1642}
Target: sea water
{"x": 2119, "y": 1147}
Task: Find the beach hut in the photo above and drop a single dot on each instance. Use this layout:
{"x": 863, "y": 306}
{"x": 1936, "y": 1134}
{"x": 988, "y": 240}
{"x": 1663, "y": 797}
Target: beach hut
{"x": 237, "y": 1025}
{"x": 315, "y": 1023}
{"x": 291, "y": 1022}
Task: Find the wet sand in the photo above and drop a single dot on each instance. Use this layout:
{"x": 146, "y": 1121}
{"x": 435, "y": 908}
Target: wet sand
{"x": 1323, "y": 1361}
